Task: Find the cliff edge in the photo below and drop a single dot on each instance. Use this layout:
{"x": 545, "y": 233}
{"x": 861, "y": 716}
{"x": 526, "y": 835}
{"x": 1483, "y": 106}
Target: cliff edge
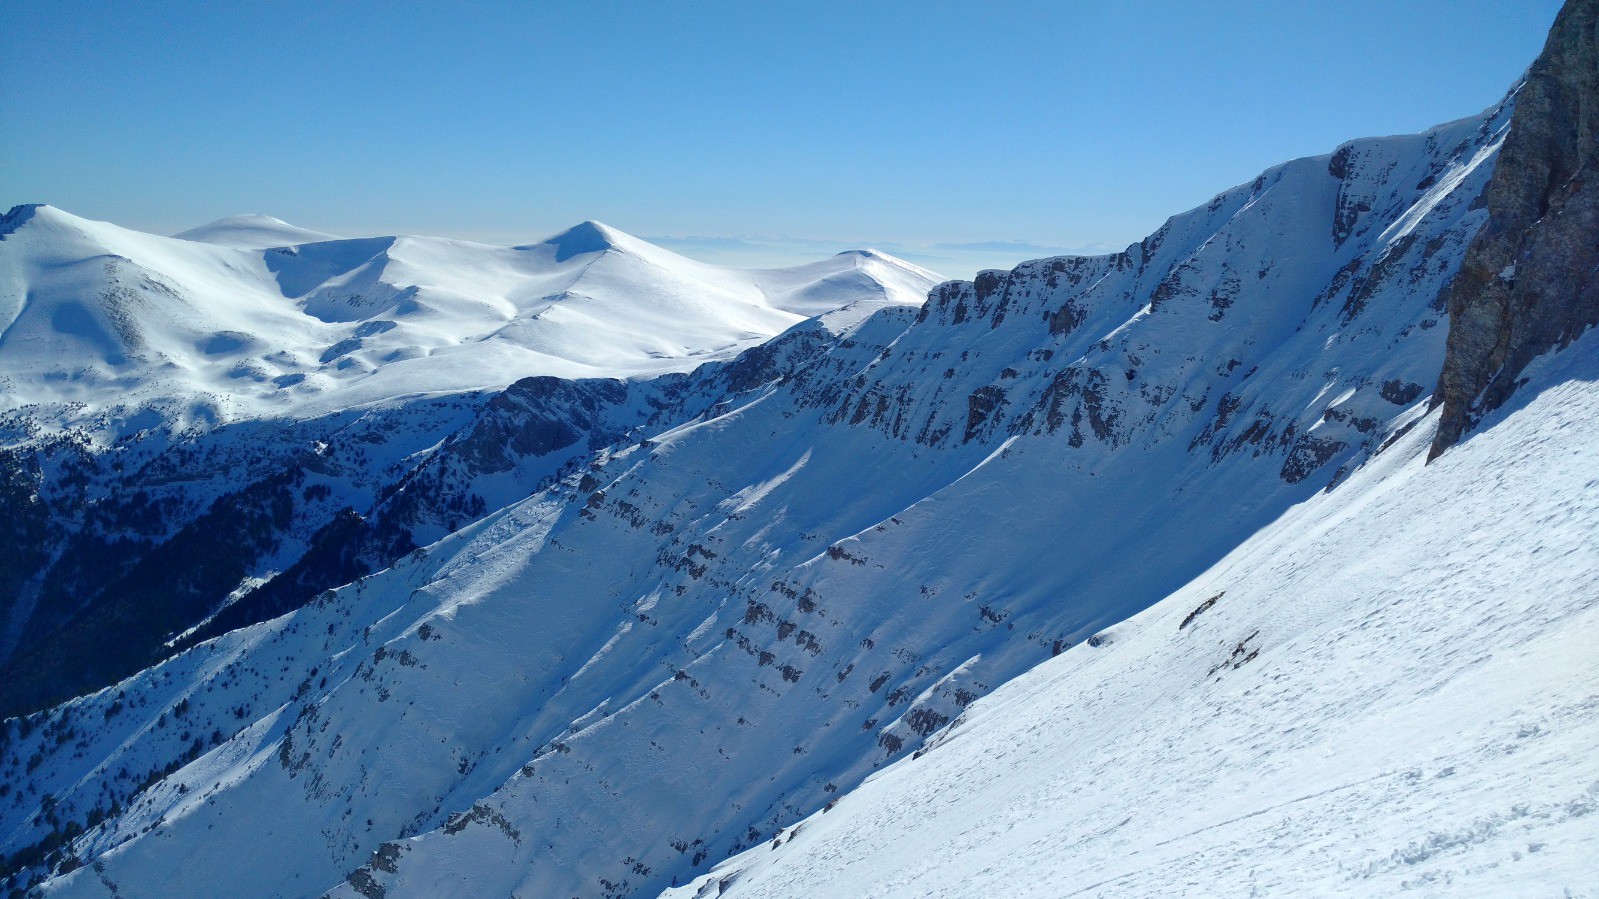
{"x": 1527, "y": 284}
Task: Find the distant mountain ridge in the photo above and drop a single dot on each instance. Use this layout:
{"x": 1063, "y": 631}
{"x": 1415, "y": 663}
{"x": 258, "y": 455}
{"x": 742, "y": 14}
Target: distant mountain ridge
{"x": 101, "y": 322}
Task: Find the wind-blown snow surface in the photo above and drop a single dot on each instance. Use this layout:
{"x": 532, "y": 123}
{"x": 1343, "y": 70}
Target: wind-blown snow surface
{"x": 1393, "y": 688}
{"x": 99, "y": 322}
{"x": 747, "y": 605}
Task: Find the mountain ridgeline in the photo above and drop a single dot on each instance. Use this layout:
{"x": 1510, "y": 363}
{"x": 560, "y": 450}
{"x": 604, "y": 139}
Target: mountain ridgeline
{"x": 594, "y": 632}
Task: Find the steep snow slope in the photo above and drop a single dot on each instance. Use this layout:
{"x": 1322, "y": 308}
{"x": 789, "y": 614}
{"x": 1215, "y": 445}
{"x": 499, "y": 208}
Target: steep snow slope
{"x": 99, "y": 324}
{"x": 742, "y": 605}
{"x": 1367, "y": 698}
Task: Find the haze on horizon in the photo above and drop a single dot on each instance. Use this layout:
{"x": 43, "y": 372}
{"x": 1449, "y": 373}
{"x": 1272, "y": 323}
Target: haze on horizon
{"x": 956, "y": 135}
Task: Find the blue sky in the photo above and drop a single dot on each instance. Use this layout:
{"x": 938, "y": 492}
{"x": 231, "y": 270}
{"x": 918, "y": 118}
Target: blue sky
{"x": 910, "y": 125}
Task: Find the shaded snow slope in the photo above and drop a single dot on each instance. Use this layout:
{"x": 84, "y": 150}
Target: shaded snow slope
{"x": 98, "y": 323}
{"x": 1392, "y": 688}
{"x": 725, "y": 612}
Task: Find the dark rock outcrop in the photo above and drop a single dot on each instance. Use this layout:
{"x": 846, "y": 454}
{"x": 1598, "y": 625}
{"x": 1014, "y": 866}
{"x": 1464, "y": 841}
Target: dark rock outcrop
{"x": 537, "y": 416}
{"x": 1527, "y": 284}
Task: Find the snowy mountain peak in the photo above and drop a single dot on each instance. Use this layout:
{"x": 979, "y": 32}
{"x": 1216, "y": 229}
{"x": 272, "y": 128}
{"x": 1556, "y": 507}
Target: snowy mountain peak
{"x": 868, "y": 253}
{"x": 251, "y": 316}
{"x": 252, "y": 231}
{"x": 587, "y": 238}
{"x": 43, "y": 215}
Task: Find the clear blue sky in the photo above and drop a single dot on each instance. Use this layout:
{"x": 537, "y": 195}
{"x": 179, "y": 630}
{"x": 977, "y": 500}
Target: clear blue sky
{"x": 1068, "y": 124}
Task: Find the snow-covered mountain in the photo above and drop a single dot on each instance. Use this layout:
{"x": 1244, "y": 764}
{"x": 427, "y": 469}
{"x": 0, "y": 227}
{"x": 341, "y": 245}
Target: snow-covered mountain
{"x": 168, "y": 399}
{"x": 106, "y": 324}
{"x": 598, "y": 635}
{"x": 253, "y": 232}
{"x": 1389, "y": 689}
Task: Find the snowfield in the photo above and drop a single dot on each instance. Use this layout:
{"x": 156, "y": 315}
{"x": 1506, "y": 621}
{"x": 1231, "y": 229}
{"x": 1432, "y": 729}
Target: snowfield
{"x": 1392, "y": 689}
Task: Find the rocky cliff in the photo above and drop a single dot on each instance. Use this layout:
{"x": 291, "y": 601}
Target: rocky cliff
{"x": 1527, "y": 284}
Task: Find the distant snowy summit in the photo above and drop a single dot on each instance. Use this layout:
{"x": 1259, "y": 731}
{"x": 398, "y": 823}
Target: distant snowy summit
{"x": 253, "y": 232}
{"x": 250, "y": 315}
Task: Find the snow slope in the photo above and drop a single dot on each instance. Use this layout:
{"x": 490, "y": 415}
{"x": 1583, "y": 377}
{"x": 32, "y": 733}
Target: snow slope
{"x": 787, "y": 571}
{"x": 1366, "y": 698}
{"x": 98, "y": 323}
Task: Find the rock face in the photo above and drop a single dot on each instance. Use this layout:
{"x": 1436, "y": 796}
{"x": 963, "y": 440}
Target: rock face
{"x": 1527, "y": 283}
